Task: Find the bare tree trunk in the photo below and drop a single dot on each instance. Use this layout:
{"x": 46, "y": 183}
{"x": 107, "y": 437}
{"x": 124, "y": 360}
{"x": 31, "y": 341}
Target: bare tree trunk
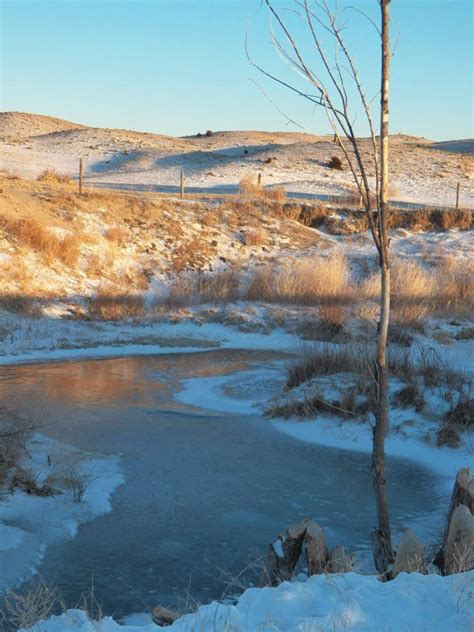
{"x": 382, "y": 541}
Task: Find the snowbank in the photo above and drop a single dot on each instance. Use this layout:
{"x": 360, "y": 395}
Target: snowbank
{"x": 351, "y": 602}
{"x": 29, "y": 523}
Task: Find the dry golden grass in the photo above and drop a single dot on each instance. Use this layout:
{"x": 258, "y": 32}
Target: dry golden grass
{"x": 305, "y": 281}
{"x": 32, "y": 234}
{"x": 250, "y": 188}
{"x": 256, "y": 237}
{"x": 52, "y": 176}
{"x": 195, "y": 288}
{"x": 418, "y": 291}
{"x": 110, "y": 304}
{"x": 117, "y": 234}
{"x": 194, "y": 254}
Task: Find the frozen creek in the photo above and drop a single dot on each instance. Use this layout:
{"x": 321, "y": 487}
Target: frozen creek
{"x": 204, "y": 490}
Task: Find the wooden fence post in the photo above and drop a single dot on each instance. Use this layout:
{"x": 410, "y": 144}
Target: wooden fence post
{"x": 181, "y": 183}
{"x": 457, "y": 195}
{"x": 80, "y": 176}
{"x": 259, "y": 180}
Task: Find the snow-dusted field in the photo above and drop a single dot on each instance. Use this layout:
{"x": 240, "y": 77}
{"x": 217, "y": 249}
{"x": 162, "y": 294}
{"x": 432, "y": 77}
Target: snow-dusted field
{"x": 422, "y": 172}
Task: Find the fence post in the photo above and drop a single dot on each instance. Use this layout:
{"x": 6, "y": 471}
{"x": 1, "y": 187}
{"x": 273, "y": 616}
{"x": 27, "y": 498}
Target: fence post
{"x": 80, "y": 176}
{"x": 259, "y": 180}
{"x": 181, "y": 185}
{"x": 457, "y": 195}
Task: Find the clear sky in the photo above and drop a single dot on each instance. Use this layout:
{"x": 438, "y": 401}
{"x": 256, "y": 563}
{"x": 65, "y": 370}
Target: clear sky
{"x": 179, "y": 66}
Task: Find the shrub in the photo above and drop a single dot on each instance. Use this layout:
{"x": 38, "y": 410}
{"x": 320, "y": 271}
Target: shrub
{"x": 209, "y": 133}
{"x": 459, "y": 418}
{"x": 409, "y": 396}
{"x": 335, "y": 163}
{"x": 50, "y": 175}
{"x": 314, "y": 216}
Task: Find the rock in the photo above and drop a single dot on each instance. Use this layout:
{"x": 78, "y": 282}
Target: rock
{"x": 459, "y": 545}
{"x": 283, "y": 555}
{"x": 340, "y": 560}
{"x": 410, "y": 557}
{"x": 315, "y": 548}
{"x": 164, "y": 616}
{"x": 462, "y": 496}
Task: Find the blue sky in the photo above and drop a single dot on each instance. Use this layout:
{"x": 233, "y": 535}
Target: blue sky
{"x": 179, "y": 66}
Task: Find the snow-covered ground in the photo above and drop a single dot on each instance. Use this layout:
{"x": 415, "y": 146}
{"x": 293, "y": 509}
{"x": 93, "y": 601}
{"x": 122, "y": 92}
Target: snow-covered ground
{"x": 29, "y": 523}
{"x": 332, "y": 603}
{"x": 421, "y": 171}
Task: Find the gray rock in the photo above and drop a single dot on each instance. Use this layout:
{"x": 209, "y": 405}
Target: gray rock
{"x": 315, "y": 548}
{"x": 459, "y": 546}
{"x": 340, "y": 560}
{"x": 410, "y": 557}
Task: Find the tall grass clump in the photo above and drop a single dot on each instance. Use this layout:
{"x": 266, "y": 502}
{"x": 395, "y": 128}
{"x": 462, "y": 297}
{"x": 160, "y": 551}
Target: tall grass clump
{"x": 305, "y": 281}
{"x": 53, "y": 176}
{"x": 251, "y": 188}
{"x": 195, "y": 288}
{"x": 30, "y": 233}
{"x": 112, "y": 305}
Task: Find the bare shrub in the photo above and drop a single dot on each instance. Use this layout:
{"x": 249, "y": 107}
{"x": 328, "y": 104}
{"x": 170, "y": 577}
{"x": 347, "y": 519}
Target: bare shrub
{"x": 14, "y": 434}
{"x": 409, "y": 396}
{"x": 24, "y": 610}
{"x": 313, "y": 215}
{"x": 335, "y": 163}
{"x": 52, "y": 176}
{"x": 459, "y": 418}
{"x": 78, "y": 481}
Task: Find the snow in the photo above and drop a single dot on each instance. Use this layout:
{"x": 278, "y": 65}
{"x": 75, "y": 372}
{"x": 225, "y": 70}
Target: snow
{"x": 29, "y": 523}
{"x": 350, "y": 602}
{"x": 421, "y": 171}
{"x": 42, "y": 340}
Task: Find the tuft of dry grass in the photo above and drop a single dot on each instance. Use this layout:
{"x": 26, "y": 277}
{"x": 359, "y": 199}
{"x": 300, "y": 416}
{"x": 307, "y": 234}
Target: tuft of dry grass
{"x": 459, "y": 418}
{"x": 52, "y": 176}
{"x": 250, "y": 188}
{"x": 117, "y": 234}
{"x": 32, "y": 234}
{"x": 326, "y": 360}
{"x": 305, "y": 281}
{"x": 255, "y": 237}
{"x": 110, "y": 304}
{"x": 216, "y": 287}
